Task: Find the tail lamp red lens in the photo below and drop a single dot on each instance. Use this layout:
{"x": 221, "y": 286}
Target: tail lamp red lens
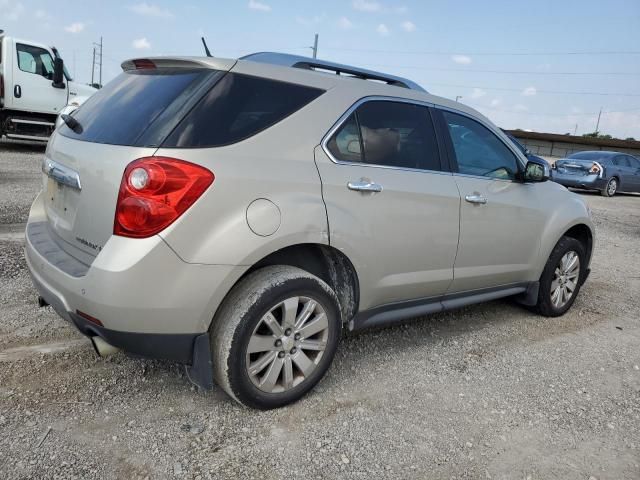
{"x": 154, "y": 192}
{"x": 595, "y": 168}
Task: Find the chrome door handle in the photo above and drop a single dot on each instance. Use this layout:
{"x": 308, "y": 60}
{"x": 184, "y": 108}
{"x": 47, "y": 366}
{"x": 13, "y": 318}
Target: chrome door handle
{"x": 477, "y": 199}
{"x": 364, "y": 187}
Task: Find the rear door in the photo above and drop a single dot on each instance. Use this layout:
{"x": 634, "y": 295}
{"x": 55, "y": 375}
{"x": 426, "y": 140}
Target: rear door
{"x": 32, "y": 81}
{"x": 635, "y": 172}
{"x": 500, "y": 217}
{"x": 626, "y": 173}
{"x": 392, "y": 207}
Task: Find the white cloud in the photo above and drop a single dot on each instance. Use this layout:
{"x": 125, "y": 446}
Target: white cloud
{"x": 75, "y": 27}
{"x": 150, "y": 10}
{"x": 518, "y": 107}
{"x": 461, "y": 59}
{"x": 262, "y": 7}
{"x": 41, "y": 13}
{"x": 373, "y": 6}
{"x": 529, "y": 91}
{"x": 308, "y": 21}
{"x": 367, "y": 5}
{"x": 477, "y": 93}
{"x": 345, "y": 23}
{"x": 141, "y": 44}
{"x": 12, "y": 11}
{"x": 495, "y": 102}
{"x": 408, "y": 26}
{"x": 383, "y": 30}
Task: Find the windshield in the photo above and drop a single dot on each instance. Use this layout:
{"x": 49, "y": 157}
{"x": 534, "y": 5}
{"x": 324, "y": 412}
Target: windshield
{"x": 139, "y": 107}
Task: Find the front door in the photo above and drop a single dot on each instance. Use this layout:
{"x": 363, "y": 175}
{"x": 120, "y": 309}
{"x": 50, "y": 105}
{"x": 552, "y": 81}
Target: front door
{"x": 500, "y": 217}
{"x": 32, "y": 80}
{"x": 391, "y": 206}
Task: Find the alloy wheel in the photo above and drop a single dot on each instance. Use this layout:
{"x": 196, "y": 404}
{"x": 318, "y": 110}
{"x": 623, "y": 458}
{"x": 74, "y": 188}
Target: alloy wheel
{"x": 565, "y": 279}
{"x": 287, "y": 344}
{"x": 612, "y": 187}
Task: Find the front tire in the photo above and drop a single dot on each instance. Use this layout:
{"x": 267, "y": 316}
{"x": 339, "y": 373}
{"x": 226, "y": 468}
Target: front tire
{"x": 274, "y": 336}
{"x": 562, "y": 277}
{"x": 611, "y": 188}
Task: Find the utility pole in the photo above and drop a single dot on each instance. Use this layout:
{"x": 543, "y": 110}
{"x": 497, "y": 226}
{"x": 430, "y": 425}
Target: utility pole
{"x": 98, "y": 46}
{"x": 315, "y": 47}
{"x": 598, "y": 123}
{"x": 575, "y": 130}
{"x": 93, "y": 65}
{"x": 458, "y": 97}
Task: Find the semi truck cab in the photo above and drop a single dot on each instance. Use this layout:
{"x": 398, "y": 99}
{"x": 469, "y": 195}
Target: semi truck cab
{"x": 34, "y": 87}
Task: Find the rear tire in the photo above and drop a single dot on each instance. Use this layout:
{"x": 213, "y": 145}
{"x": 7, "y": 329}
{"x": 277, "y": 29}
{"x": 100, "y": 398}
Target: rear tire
{"x": 611, "y": 188}
{"x": 561, "y": 278}
{"x": 274, "y": 336}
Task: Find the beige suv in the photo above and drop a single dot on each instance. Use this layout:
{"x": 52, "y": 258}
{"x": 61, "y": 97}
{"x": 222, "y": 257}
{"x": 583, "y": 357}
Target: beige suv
{"x": 237, "y": 215}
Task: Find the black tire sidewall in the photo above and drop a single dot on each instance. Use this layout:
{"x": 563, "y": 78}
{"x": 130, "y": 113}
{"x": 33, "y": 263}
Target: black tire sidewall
{"x": 565, "y": 244}
{"x": 239, "y": 380}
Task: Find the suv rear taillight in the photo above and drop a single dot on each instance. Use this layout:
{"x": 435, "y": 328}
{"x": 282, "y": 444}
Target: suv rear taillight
{"x": 1, "y": 90}
{"x": 154, "y": 192}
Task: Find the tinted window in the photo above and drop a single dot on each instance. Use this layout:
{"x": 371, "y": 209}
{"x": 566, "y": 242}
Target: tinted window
{"x": 587, "y": 156}
{"x": 479, "y": 151}
{"x": 345, "y": 145}
{"x": 137, "y": 106}
{"x": 34, "y": 60}
{"x": 621, "y": 161}
{"x": 238, "y": 107}
{"x": 634, "y": 162}
{"x": 391, "y": 133}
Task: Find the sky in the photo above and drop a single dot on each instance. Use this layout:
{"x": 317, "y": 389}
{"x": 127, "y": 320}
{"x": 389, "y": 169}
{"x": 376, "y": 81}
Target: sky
{"x": 546, "y": 66}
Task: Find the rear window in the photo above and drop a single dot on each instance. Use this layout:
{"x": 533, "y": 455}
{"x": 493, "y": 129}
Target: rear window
{"x": 238, "y": 107}
{"x": 586, "y": 156}
{"x": 140, "y": 107}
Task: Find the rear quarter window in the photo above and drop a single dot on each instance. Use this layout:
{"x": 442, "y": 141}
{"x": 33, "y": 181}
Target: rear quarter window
{"x": 237, "y": 107}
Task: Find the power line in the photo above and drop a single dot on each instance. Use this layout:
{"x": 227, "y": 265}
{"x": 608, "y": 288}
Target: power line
{"x": 514, "y": 72}
{"x": 488, "y": 54}
{"x": 549, "y": 114}
{"x": 559, "y": 92}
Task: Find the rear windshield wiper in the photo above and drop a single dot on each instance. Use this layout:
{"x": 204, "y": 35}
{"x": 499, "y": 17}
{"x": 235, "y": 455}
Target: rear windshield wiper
{"x": 72, "y": 123}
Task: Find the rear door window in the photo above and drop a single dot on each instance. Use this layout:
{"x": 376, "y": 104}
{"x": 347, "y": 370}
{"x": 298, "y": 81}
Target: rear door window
{"x": 238, "y": 107}
{"x": 388, "y": 133}
{"x": 139, "y": 106}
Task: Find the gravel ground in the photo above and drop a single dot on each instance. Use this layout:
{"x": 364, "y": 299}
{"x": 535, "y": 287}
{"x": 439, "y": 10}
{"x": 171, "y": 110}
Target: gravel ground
{"x": 491, "y": 391}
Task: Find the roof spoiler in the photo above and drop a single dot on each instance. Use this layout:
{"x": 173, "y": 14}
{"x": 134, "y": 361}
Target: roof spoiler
{"x": 177, "y": 62}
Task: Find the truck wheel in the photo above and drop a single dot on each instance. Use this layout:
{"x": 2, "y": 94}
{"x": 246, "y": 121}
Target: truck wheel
{"x": 611, "y": 188}
{"x": 274, "y": 336}
{"x": 562, "y": 277}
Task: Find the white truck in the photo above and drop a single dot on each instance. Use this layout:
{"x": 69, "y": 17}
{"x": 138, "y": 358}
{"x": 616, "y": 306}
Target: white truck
{"x": 34, "y": 88}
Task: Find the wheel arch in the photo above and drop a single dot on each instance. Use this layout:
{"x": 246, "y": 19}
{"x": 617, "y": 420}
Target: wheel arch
{"x": 325, "y": 262}
{"x": 584, "y": 235}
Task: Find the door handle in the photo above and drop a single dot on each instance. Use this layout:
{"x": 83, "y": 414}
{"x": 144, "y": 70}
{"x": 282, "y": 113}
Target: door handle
{"x": 363, "y": 186}
{"x": 477, "y": 199}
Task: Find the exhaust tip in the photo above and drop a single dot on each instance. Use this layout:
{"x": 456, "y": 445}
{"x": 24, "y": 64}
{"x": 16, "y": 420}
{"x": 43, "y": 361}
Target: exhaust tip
{"x": 102, "y": 348}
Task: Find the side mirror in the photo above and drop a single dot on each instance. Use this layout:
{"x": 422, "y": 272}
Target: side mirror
{"x": 58, "y": 73}
{"x": 536, "y": 171}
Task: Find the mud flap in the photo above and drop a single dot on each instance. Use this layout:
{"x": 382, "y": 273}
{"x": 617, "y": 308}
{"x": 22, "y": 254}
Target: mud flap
{"x": 200, "y": 372}
{"x": 529, "y": 298}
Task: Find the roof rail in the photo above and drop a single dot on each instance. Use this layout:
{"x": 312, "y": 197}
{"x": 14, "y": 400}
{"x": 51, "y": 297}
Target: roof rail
{"x": 307, "y": 63}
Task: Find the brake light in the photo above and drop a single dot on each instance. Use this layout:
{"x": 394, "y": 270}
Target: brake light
{"x": 1, "y": 90}
{"x": 596, "y": 168}
{"x": 143, "y": 64}
{"x": 154, "y": 192}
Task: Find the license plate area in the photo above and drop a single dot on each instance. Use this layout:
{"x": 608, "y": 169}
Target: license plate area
{"x": 60, "y": 203}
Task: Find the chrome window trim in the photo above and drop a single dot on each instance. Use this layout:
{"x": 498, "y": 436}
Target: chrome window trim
{"x": 61, "y": 174}
{"x": 336, "y": 126}
{"x": 374, "y": 98}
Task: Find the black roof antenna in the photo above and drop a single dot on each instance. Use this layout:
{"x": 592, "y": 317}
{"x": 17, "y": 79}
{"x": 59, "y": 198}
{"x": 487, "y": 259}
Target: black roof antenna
{"x": 206, "y": 49}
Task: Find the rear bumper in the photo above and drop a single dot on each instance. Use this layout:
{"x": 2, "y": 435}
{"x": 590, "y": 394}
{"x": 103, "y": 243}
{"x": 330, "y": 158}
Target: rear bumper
{"x": 589, "y": 182}
{"x": 132, "y": 285}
